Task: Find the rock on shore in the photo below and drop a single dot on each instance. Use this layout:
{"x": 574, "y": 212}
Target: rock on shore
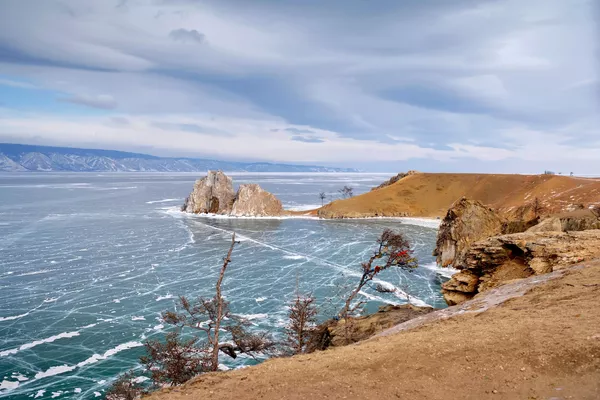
{"x": 252, "y": 200}
{"x": 214, "y": 194}
{"x": 466, "y": 222}
{"x": 492, "y": 261}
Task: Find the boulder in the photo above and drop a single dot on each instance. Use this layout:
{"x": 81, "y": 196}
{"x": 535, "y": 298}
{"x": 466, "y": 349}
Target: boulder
{"x": 466, "y": 222}
{"x": 212, "y": 194}
{"x": 495, "y": 260}
{"x": 253, "y": 201}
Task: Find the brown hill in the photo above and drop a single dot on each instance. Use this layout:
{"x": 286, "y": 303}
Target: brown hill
{"x": 540, "y": 345}
{"x": 431, "y": 194}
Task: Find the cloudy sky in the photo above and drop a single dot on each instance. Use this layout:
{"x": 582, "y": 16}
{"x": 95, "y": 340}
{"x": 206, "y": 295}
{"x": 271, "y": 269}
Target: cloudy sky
{"x": 382, "y": 85}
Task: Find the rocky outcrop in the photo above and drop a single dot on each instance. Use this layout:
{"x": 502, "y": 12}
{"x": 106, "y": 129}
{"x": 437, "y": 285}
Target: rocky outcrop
{"x": 466, "y": 222}
{"x": 341, "y": 332}
{"x": 252, "y": 200}
{"x": 395, "y": 179}
{"x": 214, "y": 194}
{"x": 567, "y": 224}
{"x": 498, "y": 259}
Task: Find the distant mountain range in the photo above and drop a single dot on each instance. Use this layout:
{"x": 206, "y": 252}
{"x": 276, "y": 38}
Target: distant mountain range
{"x": 20, "y": 157}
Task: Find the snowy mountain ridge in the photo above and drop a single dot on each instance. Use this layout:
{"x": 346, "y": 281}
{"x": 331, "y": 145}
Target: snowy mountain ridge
{"x": 19, "y": 157}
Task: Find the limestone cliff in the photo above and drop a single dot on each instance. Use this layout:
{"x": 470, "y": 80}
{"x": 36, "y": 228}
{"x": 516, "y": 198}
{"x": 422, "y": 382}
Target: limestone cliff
{"x": 466, "y": 222}
{"x": 494, "y": 260}
{"x": 214, "y": 194}
{"x": 252, "y": 200}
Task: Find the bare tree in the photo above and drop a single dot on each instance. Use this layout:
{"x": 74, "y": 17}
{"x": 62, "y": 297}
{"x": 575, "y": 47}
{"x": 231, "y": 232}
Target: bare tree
{"x": 212, "y": 316}
{"x": 322, "y": 196}
{"x": 125, "y": 388}
{"x": 302, "y": 322}
{"x": 537, "y": 207}
{"x": 346, "y": 192}
{"x": 177, "y": 360}
{"x": 393, "y": 250}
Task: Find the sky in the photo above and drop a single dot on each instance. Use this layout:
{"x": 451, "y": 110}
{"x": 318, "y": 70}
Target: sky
{"x": 386, "y": 85}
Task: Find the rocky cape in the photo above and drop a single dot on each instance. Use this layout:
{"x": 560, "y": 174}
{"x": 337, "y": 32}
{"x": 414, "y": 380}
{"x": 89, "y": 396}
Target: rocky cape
{"x": 483, "y": 245}
{"x": 514, "y": 197}
{"x": 214, "y": 194}
{"x": 526, "y": 275}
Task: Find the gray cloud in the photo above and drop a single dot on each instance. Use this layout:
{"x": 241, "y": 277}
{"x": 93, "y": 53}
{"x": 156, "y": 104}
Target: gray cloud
{"x": 118, "y": 121}
{"x": 193, "y": 128}
{"x": 434, "y": 73}
{"x": 299, "y": 131}
{"x": 103, "y": 101}
{"x": 186, "y": 36}
{"x": 307, "y": 139}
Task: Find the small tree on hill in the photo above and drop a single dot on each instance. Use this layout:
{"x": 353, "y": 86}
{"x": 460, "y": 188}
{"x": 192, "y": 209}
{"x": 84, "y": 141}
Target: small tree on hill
{"x": 301, "y": 325}
{"x": 125, "y": 388}
{"x": 322, "y": 196}
{"x": 393, "y": 250}
{"x": 537, "y": 207}
{"x": 346, "y": 192}
{"x": 178, "y": 360}
{"x": 175, "y": 361}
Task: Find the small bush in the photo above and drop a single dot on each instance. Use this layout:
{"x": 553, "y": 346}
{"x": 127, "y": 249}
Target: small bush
{"x": 125, "y": 388}
{"x": 175, "y": 361}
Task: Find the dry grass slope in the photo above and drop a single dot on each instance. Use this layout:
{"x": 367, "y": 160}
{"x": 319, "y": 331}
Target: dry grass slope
{"x": 431, "y": 194}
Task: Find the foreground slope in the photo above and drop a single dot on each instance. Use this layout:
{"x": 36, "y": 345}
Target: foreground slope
{"x": 431, "y": 194}
{"x": 543, "y": 344}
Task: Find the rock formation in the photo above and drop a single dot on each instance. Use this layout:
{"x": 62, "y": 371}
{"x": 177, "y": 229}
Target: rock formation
{"x": 466, "y": 222}
{"x": 395, "y": 179}
{"x": 252, "y": 200}
{"x": 567, "y": 224}
{"x": 494, "y": 260}
{"x": 341, "y": 333}
{"x": 214, "y": 194}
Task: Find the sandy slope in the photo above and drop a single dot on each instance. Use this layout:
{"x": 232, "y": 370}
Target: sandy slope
{"x": 431, "y": 194}
{"x": 542, "y": 345}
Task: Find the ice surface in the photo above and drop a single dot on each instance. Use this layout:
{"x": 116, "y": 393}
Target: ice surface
{"x": 85, "y": 273}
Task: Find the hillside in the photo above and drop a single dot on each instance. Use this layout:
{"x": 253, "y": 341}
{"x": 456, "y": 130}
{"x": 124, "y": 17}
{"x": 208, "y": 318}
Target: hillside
{"x": 19, "y": 157}
{"x": 543, "y": 344}
{"x": 431, "y": 194}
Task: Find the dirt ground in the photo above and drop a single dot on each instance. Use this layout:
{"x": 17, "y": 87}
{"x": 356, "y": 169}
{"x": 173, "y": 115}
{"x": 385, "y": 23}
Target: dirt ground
{"x": 431, "y": 194}
{"x": 542, "y": 345}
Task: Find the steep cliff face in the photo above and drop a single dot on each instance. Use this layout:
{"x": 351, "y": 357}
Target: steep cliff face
{"x": 212, "y": 194}
{"x": 252, "y": 200}
{"x": 466, "y": 222}
{"x": 498, "y": 259}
